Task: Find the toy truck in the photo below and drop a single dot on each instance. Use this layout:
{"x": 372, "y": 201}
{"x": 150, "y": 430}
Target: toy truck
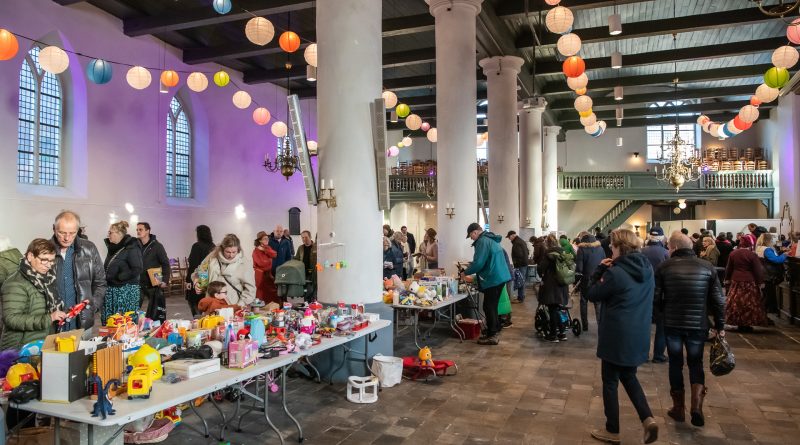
{"x": 140, "y": 383}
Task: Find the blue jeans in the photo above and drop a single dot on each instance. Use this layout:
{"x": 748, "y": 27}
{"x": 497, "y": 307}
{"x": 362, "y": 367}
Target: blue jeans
{"x": 613, "y": 374}
{"x": 660, "y": 340}
{"x": 521, "y": 291}
{"x": 694, "y": 342}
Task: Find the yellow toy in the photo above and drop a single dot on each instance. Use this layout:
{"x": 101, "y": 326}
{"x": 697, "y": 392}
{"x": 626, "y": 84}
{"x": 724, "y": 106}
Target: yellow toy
{"x": 211, "y": 321}
{"x": 148, "y": 357}
{"x": 18, "y": 373}
{"x": 425, "y": 357}
{"x": 140, "y": 382}
{"x": 66, "y": 344}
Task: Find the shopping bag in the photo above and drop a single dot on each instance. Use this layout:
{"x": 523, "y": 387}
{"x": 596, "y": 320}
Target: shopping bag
{"x": 519, "y": 280}
{"x": 720, "y": 356}
{"x": 389, "y": 370}
{"x": 504, "y": 306}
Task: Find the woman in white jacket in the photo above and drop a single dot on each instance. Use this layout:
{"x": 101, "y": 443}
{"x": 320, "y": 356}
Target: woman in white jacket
{"x": 227, "y": 264}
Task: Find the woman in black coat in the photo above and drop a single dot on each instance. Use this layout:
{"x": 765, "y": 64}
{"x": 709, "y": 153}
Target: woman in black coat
{"x": 624, "y": 285}
{"x": 123, "y": 267}
{"x": 551, "y": 293}
{"x": 589, "y": 256}
{"x": 200, "y": 250}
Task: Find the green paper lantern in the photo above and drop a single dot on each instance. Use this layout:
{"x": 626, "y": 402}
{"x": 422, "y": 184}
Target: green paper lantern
{"x": 776, "y": 77}
{"x": 403, "y": 110}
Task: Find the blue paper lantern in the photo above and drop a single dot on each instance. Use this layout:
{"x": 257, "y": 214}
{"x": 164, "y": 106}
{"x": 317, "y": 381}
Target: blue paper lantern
{"x": 99, "y": 71}
{"x": 222, "y": 6}
{"x": 724, "y": 129}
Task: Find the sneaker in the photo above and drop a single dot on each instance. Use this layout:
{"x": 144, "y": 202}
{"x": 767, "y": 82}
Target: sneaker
{"x": 507, "y": 324}
{"x": 489, "y": 341}
{"x": 562, "y": 337}
{"x": 605, "y": 436}
{"x": 650, "y": 430}
{"x": 551, "y": 339}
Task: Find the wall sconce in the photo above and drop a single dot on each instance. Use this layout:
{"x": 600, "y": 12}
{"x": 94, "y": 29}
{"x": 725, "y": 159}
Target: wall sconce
{"x": 501, "y": 217}
{"x": 637, "y": 229}
{"x": 327, "y": 195}
{"x": 636, "y": 155}
{"x": 450, "y": 210}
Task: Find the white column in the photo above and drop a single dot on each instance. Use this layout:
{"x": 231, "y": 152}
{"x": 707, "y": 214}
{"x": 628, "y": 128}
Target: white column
{"x": 501, "y": 73}
{"x": 456, "y": 95}
{"x": 530, "y": 164}
{"x": 550, "y": 178}
{"x": 350, "y": 78}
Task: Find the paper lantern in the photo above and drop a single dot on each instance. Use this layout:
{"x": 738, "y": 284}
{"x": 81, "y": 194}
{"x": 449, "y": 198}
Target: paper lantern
{"x": 425, "y": 126}
{"x": 589, "y": 120}
{"x": 241, "y": 99}
{"x": 583, "y": 103}
{"x": 580, "y": 91}
{"x": 740, "y": 124}
{"x": 485, "y": 136}
{"x": 261, "y": 116}
{"x": 138, "y": 77}
{"x": 723, "y": 130}
{"x": 591, "y": 129}
{"x": 766, "y": 94}
{"x": 793, "y": 32}
{"x": 573, "y": 66}
{"x": 602, "y": 125}
{"x": 559, "y": 20}
{"x": 776, "y": 77}
{"x": 222, "y": 6}
{"x": 53, "y": 59}
{"x": 577, "y": 83}
{"x": 702, "y": 119}
{"x": 413, "y": 122}
{"x": 731, "y": 128}
{"x": 279, "y": 129}
{"x": 289, "y": 41}
{"x": 197, "y": 82}
{"x": 259, "y": 31}
{"x": 99, "y": 71}
{"x": 400, "y": 144}
{"x": 754, "y": 101}
{"x": 402, "y": 110}
{"x": 585, "y": 113}
{"x": 393, "y": 151}
{"x": 707, "y": 126}
{"x": 221, "y": 78}
{"x": 389, "y": 99}
{"x": 785, "y": 56}
{"x": 170, "y": 78}
{"x": 552, "y": 2}
{"x": 748, "y": 113}
{"x": 8, "y": 45}
{"x": 432, "y": 134}
{"x": 407, "y": 141}
{"x": 713, "y": 130}
{"x": 312, "y": 147}
{"x": 569, "y": 44}
{"x": 310, "y": 54}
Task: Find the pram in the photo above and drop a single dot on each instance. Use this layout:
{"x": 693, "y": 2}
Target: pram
{"x": 542, "y": 321}
{"x": 290, "y": 278}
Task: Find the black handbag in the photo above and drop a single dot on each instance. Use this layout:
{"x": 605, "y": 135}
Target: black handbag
{"x": 721, "y": 358}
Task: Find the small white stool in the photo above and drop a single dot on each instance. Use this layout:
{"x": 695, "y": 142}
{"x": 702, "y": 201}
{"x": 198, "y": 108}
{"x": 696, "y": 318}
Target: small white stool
{"x": 362, "y": 389}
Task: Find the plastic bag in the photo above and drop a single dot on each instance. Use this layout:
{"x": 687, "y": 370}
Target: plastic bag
{"x": 504, "y": 305}
{"x": 389, "y": 370}
{"x": 721, "y": 358}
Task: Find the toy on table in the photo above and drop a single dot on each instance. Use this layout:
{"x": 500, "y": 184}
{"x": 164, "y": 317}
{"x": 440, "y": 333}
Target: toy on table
{"x": 425, "y": 357}
{"x": 29, "y": 352}
{"x": 103, "y": 407}
{"x": 258, "y": 331}
{"x": 242, "y": 353}
{"x": 303, "y": 340}
{"x": 140, "y": 382}
{"x": 74, "y": 311}
{"x": 308, "y": 323}
{"x": 19, "y": 373}
{"x": 147, "y": 356}
{"x": 107, "y": 364}
{"x": 66, "y": 344}
{"x": 7, "y": 358}
{"x": 211, "y": 321}
{"x": 243, "y": 334}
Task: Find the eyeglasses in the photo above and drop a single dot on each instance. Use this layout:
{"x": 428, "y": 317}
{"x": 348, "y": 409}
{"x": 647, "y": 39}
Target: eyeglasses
{"x": 46, "y": 261}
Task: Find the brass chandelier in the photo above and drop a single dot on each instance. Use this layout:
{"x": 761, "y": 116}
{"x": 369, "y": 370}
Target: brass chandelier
{"x": 677, "y": 169}
{"x": 286, "y": 161}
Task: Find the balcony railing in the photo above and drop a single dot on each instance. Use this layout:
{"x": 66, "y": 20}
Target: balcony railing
{"x": 755, "y": 179}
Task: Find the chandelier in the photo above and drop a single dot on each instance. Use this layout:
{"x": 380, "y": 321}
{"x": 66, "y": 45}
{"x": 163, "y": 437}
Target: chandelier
{"x": 285, "y": 160}
{"x": 677, "y": 168}
{"x": 777, "y": 10}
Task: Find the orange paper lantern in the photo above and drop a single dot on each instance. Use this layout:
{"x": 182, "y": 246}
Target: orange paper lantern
{"x": 740, "y": 124}
{"x": 261, "y": 116}
{"x": 580, "y": 92}
{"x": 170, "y": 78}
{"x": 8, "y": 45}
{"x": 754, "y": 101}
{"x": 289, "y": 41}
{"x": 573, "y": 66}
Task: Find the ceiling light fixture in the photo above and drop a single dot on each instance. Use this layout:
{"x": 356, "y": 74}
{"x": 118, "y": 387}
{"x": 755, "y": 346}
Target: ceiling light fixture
{"x": 616, "y": 60}
{"x": 618, "y": 94}
{"x": 311, "y": 73}
{"x": 614, "y": 24}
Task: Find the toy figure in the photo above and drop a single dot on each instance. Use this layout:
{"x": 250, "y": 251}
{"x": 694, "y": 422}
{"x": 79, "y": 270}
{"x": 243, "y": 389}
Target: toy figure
{"x": 243, "y": 334}
{"x": 73, "y": 312}
{"x": 307, "y": 325}
{"x": 102, "y": 407}
{"x": 425, "y": 357}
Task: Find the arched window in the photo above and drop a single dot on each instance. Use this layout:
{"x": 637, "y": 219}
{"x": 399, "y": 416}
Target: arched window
{"x": 179, "y": 152}
{"x": 40, "y": 121}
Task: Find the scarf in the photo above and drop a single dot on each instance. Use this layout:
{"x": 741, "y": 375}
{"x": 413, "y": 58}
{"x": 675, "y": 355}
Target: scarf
{"x": 45, "y": 284}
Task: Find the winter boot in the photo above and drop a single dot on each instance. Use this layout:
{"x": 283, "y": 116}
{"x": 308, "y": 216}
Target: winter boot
{"x": 650, "y": 430}
{"x": 678, "y": 410}
{"x": 698, "y": 394}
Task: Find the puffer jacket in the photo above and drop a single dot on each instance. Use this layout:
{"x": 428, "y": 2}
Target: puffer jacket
{"x": 489, "y": 263}
{"x": 89, "y": 276}
{"x": 519, "y": 252}
{"x": 124, "y": 262}
{"x": 153, "y": 255}
{"x": 590, "y": 253}
{"x": 687, "y": 289}
{"x": 25, "y": 316}
{"x": 9, "y": 263}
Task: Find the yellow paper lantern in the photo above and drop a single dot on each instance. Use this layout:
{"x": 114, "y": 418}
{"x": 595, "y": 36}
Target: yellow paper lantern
{"x": 261, "y": 116}
{"x": 53, "y": 59}
{"x": 583, "y": 103}
{"x": 766, "y": 94}
{"x": 402, "y": 110}
{"x": 221, "y": 78}
{"x": 580, "y": 91}
{"x": 390, "y": 99}
{"x": 432, "y": 134}
{"x": 170, "y": 78}
{"x": 242, "y": 100}
{"x": 413, "y": 122}
{"x": 400, "y": 144}
{"x": 259, "y": 30}
{"x": 576, "y": 83}
{"x": 310, "y": 54}
{"x": 197, "y": 82}
{"x": 279, "y": 129}
{"x": 559, "y": 20}
{"x": 8, "y": 45}
{"x": 585, "y": 113}
{"x": 569, "y": 44}
{"x": 138, "y": 77}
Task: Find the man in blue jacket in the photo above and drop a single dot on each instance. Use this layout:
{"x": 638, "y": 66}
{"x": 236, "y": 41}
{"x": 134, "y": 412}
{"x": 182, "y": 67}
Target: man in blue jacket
{"x": 491, "y": 270}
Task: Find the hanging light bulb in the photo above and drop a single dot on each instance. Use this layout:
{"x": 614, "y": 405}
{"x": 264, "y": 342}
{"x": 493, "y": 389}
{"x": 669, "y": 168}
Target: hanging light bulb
{"x": 619, "y": 141}
{"x": 619, "y": 122}
{"x": 311, "y": 73}
{"x": 619, "y": 113}
{"x": 618, "y": 92}
{"x": 393, "y": 116}
{"x": 614, "y": 24}
{"x": 616, "y": 60}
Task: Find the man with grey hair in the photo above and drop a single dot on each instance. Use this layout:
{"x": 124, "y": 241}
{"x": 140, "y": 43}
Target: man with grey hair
{"x": 79, "y": 270}
{"x": 281, "y": 245}
{"x": 686, "y": 293}
{"x": 657, "y": 253}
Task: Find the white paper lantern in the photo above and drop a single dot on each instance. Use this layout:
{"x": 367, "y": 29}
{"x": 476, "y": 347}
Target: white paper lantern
{"x": 552, "y": 2}
{"x": 569, "y": 44}
{"x": 785, "y": 56}
{"x": 407, "y": 141}
{"x": 390, "y": 99}
{"x": 197, "y": 82}
{"x": 766, "y": 94}
{"x": 589, "y": 120}
{"x": 432, "y": 134}
{"x": 259, "y": 30}
{"x": 138, "y": 77}
{"x": 310, "y": 54}
{"x": 312, "y": 147}
{"x": 413, "y": 122}
{"x": 602, "y": 125}
{"x": 591, "y": 129}
{"x": 559, "y": 20}
{"x": 702, "y": 119}
{"x": 707, "y": 126}
{"x": 748, "y": 113}
{"x": 713, "y": 130}
{"x": 479, "y": 140}
{"x": 53, "y": 59}
{"x": 242, "y": 100}
{"x": 576, "y": 83}
{"x": 583, "y": 103}
{"x": 279, "y": 129}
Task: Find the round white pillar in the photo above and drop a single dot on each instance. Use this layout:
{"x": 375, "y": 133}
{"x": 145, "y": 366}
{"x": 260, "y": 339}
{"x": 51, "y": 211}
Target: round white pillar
{"x": 350, "y": 78}
{"x": 501, "y": 74}
{"x": 456, "y": 96}
{"x": 550, "y": 179}
{"x": 530, "y": 163}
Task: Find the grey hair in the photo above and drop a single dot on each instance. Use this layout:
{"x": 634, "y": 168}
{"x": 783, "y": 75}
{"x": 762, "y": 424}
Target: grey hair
{"x": 678, "y": 240}
{"x": 67, "y": 214}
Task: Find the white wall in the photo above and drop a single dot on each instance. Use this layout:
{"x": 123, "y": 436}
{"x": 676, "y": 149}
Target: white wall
{"x": 583, "y": 153}
{"x": 780, "y": 134}
{"x": 115, "y": 140}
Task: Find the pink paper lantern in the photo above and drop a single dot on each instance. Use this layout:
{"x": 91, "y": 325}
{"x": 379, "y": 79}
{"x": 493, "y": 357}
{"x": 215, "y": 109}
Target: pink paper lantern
{"x": 793, "y": 32}
{"x": 425, "y": 126}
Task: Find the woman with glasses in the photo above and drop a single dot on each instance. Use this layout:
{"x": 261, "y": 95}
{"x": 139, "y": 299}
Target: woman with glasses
{"x": 30, "y": 302}
{"x": 227, "y": 264}
{"x": 123, "y": 268}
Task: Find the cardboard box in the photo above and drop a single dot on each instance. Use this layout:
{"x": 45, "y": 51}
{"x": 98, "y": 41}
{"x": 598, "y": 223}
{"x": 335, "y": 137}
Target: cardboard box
{"x": 64, "y": 373}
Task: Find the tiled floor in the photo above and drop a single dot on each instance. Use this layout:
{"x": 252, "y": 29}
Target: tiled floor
{"x": 524, "y": 391}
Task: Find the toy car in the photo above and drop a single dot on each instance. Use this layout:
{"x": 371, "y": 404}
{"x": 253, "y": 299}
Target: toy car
{"x": 140, "y": 383}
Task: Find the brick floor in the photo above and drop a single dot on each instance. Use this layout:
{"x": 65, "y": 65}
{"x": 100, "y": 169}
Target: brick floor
{"x": 525, "y": 391}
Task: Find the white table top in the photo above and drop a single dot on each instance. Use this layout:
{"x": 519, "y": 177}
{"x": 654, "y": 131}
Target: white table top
{"x": 450, "y": 300}
{"x": 166, "y": 395}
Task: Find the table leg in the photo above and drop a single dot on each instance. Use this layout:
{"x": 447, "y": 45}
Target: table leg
{"x": 415, "y": 322}
{"x": 57, "y": 432}
{"x": 341, "y": 365}
{"x": 255, "y": 397}
{"x": 202, "y": 419}
{"x": 110, "y": 439}
{"x": 435, "y": 320}
{"x": 300, "y": 437}
{"x": 225, "y": 423}
{"x": 454, "y": 325}
{"x": 307, "y": 359}
{"x": 224, "y": 418}
{"x": 266, "y": 413}
{"x": 90, "y": 432}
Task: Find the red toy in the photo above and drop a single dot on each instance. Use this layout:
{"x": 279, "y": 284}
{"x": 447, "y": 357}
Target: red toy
{"x": 413, "y": 370}
{"x": 73, "y": 312}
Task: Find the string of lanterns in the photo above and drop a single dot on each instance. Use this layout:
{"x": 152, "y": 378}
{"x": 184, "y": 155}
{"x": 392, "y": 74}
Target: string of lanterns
{"x": 412, "y": 121}
{"x": 559, "y": 20}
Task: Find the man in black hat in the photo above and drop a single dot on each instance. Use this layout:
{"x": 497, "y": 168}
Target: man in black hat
{"x": 519, "y": 258}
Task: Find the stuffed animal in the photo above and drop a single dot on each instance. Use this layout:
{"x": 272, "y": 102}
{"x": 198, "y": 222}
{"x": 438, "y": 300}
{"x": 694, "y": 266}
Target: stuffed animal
{"x": 425, "y": 357}
{"x": 7, "y": 358}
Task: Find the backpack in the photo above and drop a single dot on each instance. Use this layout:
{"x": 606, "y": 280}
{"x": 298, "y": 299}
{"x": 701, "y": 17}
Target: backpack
{"x": 564, "y": 267}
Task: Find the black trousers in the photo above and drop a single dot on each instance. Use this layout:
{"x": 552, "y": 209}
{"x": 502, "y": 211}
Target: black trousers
{"x": 491, "y": 298}
{"x": 613, "y": 374}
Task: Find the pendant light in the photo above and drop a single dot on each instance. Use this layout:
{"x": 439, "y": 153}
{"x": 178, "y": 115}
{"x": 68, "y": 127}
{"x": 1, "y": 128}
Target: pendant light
{"x": 619, "y": 141}
{"x": 618, "y": 95}
{"x": 311, "y": 73}
{"x": 614, "y": 23}
{"x": 616, "y": 60}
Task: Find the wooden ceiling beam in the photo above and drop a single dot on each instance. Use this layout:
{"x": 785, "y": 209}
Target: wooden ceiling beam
{"x": 610, "y": 115}
{"x": 698, "y": 93}
{"x": 514, "y": 9}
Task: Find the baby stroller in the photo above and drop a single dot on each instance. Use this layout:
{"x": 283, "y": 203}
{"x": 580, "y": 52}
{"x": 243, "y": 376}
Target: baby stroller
{"x": 290, "y": 278}
{"x": 542, "y": 322}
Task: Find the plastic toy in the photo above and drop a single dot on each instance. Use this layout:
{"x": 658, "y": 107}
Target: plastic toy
{"x": 242, "y": 353}
{"x": 28, "y": 351}
{"x": 7, "y": 358}
{"x": 66, "y": 344}
{"x": 103, "y": 407}
{"x": 140, "y": 382}
{"x": 257, "y": 330}
{"x": 74, "y": 311}
{"x": 107, "y": 364}
{"x": 308, "y": 323}
{"x": 303, "y": 341}
{"x": 147, "y": 356}
{"x": 211, "y": 321}
{"x": 425, "y": 357}
{"x": 440, "y": 368}
{"x": 173, "y": 414}
{"x": 243, "y": 334}
{"x": 21, "y": 372}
